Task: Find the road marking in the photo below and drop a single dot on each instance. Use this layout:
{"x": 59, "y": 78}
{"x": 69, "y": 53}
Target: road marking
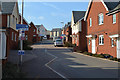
{"x": 77, "y": 66}
{"x": 51, "y": 68}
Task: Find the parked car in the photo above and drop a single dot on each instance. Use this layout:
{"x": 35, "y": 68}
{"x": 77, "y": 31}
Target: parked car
{"x": 45, "y": 37}
{"x": 54, "y": 38}
{"x": 58, "y": 42}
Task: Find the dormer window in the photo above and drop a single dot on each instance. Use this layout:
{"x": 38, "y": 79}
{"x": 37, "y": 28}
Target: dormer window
{"x": 101, "y": 18}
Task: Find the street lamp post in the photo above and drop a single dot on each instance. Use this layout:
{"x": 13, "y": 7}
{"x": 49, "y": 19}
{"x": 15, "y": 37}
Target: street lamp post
{"x": 63, "y": 31}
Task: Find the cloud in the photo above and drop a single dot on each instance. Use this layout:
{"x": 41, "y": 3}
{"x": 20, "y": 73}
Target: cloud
{"x": 51, "y": 5}
{"x": 60, "y": 14}
{"x": 41, "y": 18}
{"x": 31, "y": 18}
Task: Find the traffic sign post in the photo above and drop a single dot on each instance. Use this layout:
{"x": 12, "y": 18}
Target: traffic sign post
{"x": 21, "y": 27}
{"x": 21, "y": 52}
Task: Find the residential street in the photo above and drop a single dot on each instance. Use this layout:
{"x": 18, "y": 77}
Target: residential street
{"x": 47, "y": 61}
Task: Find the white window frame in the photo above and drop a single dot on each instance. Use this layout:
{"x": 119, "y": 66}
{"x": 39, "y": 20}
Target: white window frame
{"x": 89, "y": 41}
{"x": 114, "y": 18}
{"x": 34, "y": 35}
{"x": 15, "y": 37}
{"x": 101, "y": 39}
{"x": 13, "y": 20}
{"x": 34, "y": 30}
{"x": 112, "y": 42}
{"x": 12, "y": 35}
{"x": 8, "y": 21}
{"x": 90, "y": 22}
{"x": 101, "y": 18}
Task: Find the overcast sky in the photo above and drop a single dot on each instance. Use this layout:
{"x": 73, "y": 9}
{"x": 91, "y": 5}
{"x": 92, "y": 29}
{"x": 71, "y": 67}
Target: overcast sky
{"x": 51, "y": 14}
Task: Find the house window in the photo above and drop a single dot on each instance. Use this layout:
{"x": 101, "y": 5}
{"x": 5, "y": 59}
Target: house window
{"x": 16, "y": 20}
{"x": 26, "y": 37}
{"x": 101, "y": 19}
{"x": 114, "y": 18}
{"x": 56, "y": 33}
{"x": 15, "y": 37}
{"x": 112, "y": 42}
{"x": 89, "y": 41}
{"x": 77, "y": 37}
{"x": 101, "y": 40}
{"x": 90, "y": 22}
{"x": 34, "y": 30}
{"x": 8, "y": 21}
{"x": 13, "y": 19}
{"x": 12, "y": 35}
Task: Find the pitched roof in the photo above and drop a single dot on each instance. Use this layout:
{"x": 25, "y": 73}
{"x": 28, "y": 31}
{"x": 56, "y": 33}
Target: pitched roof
{"x": 108, "y": 4}
{"x": 111, "y": 5}
{"x": 78, "y": 15}
{"x": 7, "y": 7}
{"x": 56, "y": 29}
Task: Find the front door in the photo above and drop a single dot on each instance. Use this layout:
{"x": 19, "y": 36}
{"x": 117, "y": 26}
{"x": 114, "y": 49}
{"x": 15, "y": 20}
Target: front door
{"x": 93, "y": 46}
{"x": 118, "y": 47}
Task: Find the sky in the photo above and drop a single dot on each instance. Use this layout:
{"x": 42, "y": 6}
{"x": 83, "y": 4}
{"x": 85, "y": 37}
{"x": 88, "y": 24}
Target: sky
{"x": 51, "y": 14}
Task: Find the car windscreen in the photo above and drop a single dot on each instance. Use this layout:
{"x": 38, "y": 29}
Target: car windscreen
{"x": 58, "y": 40}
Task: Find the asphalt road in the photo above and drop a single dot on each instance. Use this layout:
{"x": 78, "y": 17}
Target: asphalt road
{"x": 60, "y": 62}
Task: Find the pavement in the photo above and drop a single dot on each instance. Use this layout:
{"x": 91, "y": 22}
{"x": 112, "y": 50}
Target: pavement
{"x": 47, "y": 61}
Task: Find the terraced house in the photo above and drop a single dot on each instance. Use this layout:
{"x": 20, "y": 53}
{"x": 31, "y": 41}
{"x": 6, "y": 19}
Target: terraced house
{"x": 8, "y": 32}
{"x": 79, "y": 30}
{"x": 103, "y": 27}
{"x": 33, "y": 33}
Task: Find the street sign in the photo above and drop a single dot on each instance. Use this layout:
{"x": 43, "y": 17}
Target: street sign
{"x": 22, "y": 35}
{"x": 21, "y": 52}
{"x": 22, "y": 26}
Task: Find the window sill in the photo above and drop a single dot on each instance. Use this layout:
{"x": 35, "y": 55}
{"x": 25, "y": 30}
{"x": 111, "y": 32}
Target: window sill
{"x": 114, "y": 22}
{"x": 101, "y": 24}
{"x": 101, "y": 44}
{"x": 4, "y": 58}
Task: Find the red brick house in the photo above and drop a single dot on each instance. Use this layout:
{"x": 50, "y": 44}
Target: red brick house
{"x": 33, "y": 33}
{"x": 79, "y": 30}
{"x": 67, "y": 31}
{"x": 8, "y": 32}
{"x": 103, "y": 32}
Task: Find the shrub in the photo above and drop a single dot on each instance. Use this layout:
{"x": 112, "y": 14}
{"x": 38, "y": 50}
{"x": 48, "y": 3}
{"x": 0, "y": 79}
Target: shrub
{"x": 68, "y": 44}
{"x": 26, "y": 45}
{"x": 106, "y": 55}
{"x": 87, "y": 53}
{"x": 80, "y": 51}
{"x": 118, "y": 60}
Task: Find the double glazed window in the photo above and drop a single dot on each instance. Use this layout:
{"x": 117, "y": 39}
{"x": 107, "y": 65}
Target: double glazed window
{"x": 90, "y": 22}
{"x": 15, "y": 37}
{"x": 101, "y": 40}
{"x": 114, "y": 18}
{"x": 12, "y": 35}
{"x": 89, "y": 41}
{"x": 112, "y": 42}
{"x": 101, "y": 18}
